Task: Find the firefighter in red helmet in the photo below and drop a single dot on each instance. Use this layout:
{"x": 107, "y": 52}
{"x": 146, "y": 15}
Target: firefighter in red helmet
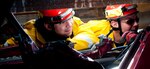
{"x": 120, "y": 18}
{"x": 54, "y": 30}
{"x": 58, "y": 20}
{"x": 120, "y": 26}
{"x": 126, "y": 17}
{"x": 63, "y": 25}
{"x": 123, "y": 11}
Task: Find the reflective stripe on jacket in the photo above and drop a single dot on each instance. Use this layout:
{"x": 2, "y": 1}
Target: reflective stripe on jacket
{"x": 83, "y": 38}
{"x": 100, "y": 27}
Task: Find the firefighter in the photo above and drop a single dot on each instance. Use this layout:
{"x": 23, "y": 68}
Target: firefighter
{"x": 81, "y": 38}
{"x": 120, "y": 19}
{"x": 54, "y": 30}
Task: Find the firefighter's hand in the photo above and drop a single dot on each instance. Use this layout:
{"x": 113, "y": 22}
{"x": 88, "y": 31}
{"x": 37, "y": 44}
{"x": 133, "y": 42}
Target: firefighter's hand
{"x": 105, "y": 44}
{"x": 128, "y": 37}
{"x": 104, "y": 40}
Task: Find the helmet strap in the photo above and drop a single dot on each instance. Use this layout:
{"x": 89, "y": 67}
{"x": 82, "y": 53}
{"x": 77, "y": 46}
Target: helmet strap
{"x": 113, "y": 28}
{"x": 119, "y": 23}
{"x": 119, "y": 28}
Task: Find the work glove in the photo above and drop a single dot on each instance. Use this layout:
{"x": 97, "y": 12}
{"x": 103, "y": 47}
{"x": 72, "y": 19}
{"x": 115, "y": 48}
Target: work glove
{"x": 128, "y": 37}
{"x": 105, "y": 44}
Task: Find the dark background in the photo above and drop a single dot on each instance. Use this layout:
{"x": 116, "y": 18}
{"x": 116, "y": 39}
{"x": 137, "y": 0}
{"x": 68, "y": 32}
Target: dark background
{"x": 25, "y": 10}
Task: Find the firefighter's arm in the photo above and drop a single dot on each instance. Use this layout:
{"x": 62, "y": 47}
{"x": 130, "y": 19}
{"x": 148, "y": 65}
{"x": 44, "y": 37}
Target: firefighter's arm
{"x": 84, "y": 40}
{"x": 105, "y": 44}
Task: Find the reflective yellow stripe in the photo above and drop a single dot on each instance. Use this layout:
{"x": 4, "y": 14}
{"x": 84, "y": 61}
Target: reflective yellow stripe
{"x": 85, "y": 38}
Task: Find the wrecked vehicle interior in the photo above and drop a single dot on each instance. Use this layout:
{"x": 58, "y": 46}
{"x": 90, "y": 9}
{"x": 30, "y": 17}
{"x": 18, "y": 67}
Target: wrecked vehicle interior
{"x": 21, "y": 54}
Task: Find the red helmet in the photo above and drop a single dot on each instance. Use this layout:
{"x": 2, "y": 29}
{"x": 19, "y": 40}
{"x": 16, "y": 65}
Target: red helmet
{"x": 57, "y": 15}
{"x": 120, "y": 10}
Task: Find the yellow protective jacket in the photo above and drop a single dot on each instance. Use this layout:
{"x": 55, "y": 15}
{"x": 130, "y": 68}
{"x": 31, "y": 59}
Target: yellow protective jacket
{"x": 83, "y": 39}
{"x": 32, "y": 32}
{"x": 100, "y": 27}
{"x": 9, "y": 42}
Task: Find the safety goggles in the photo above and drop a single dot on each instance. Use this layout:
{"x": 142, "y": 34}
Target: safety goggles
{"x": 131, "y": 21}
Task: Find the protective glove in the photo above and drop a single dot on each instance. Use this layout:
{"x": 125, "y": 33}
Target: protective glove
{"x": 128, "y": 37}
{"x": 105, "y": 44}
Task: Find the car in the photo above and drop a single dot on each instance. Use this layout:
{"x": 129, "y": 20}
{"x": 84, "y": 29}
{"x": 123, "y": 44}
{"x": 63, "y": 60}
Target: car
{"x": 21, "y": 55}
